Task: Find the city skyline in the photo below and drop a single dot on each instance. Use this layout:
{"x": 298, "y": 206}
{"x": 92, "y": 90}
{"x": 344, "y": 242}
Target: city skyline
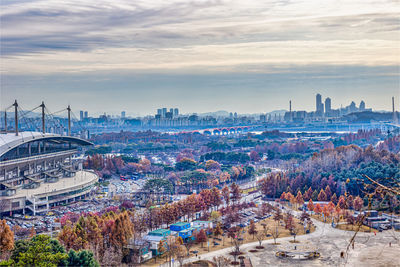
{"x": 201, "y": 56}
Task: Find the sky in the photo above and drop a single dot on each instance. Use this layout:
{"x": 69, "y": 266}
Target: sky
{"x": 240, "y": 56}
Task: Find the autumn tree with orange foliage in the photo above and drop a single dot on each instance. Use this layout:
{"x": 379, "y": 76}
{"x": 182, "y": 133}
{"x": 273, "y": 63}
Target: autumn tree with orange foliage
{"x": 6, "y": 239}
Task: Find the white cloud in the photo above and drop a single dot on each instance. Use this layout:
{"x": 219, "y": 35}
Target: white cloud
{"x": 73, "y": 36}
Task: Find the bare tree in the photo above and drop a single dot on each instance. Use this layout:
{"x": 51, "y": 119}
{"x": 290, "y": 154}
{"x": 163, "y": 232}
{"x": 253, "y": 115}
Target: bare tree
{"x": 180, "y": 254}
{"x": 294, "y": 231}
{"x": 260, "y": 237}
{"x": 221, "y": 261}
{"x": 275, "y": 233}
{"x": 188, "y": 245}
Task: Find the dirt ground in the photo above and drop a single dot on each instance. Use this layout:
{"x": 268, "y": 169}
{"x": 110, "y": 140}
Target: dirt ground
{"x": 226, "y": 241}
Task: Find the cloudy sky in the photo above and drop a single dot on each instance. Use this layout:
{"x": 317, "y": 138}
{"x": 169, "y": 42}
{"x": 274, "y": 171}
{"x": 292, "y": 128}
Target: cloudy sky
{"x": 245, "y": 56}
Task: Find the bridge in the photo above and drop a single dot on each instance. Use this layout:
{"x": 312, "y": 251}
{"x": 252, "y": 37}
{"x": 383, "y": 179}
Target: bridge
{"x": 221, "y": 131}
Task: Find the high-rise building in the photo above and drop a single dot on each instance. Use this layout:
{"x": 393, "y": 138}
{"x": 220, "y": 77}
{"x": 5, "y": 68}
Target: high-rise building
{"x": 328, "y": 105}
{"x": 86, "y": 114}
{"x": 123, "y": 114}
{"x": 362, "y": 105}
{"x": 352, "y": 107}
{"x": 159, "y": 111}
{"x": 81, "y": 115}
{"x": 164, "y": 111}
{"x": 176, "y": 112}
{"x": 319, "y": 107}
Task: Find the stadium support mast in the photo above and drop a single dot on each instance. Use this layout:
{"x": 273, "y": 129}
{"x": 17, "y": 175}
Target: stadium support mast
{"x": 43, "y": 122}
{"x": 16, "y": 117}
{"x": 69, "y": 120}
{"x": 5, "y": 121}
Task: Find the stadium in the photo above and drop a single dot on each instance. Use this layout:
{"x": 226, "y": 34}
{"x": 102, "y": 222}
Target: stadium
{"x": 40, "y": 170}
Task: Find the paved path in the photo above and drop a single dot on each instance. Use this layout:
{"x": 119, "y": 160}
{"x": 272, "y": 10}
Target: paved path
{"x": 369, "y": 249}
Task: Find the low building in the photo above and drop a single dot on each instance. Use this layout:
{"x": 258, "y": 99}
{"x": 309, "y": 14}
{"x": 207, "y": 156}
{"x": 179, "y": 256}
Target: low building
{"x": 203, "y": 224}
{"x": 179, "y": 226}
{"x": 154, "y": 238}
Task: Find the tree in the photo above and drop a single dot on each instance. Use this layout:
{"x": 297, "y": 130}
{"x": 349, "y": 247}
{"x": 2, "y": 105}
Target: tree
{"x": 358, "y": 203}
{"x": 328, "y": 192}
{"x": 322, "y": 195}
{"x": 226, "y": 194}
{"x": 299, "y": 198}
{"x": 275, "y": 233}
{"x": 221, "y": 261}
{"x": 6, "y": 238}
{"x": 304, "y": 216}
{"x": 252, "y": 228}
{"x": 334, "y": 199}
{"x": 235, "y": 191}
{"x": 82, "y": 258}
{"x": 289, "y": 222}
{"x": 278, "y": 215}
{"x": 218, "y": 230}
{"x": 260, "y": 237}
{"x": 294, "y": 231}
{"x": 201, "y": 237}
{"x": 314, "y": 195}
{"x": 255, "y": 156}
{"x": 186, "y": 164}
{"x": 215, "y": 216}
{"x": 342, "y": 202}
{"x": 310, "y": 205}
{"x": 42, "y": 251}
{"x": 180, "y": 255}
{"x": 318, "y": 209}
{"x": 162, "y": 247}
{"x": 212, "y": 165}
{"x": 188, "y": 244}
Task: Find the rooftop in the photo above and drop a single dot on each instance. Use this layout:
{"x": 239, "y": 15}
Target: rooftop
{"x": 181, "y": 223}
{"x": 159, "y": 231}
{"x": 81, "y": 178}
{"x": 9, "y": 141}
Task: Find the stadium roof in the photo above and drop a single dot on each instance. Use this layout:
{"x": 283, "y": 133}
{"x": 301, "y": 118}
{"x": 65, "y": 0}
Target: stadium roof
{"x": 9, "y": 141}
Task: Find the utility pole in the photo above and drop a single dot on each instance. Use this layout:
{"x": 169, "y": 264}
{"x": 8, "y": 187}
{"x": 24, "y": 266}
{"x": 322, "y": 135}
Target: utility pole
{"x": 69, "y": 120}
{"x": 16, "y": 117}
{"x": 43, "y": 122}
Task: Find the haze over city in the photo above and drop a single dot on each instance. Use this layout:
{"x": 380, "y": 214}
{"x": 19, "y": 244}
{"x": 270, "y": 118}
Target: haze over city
{"x": 245, "y": 57}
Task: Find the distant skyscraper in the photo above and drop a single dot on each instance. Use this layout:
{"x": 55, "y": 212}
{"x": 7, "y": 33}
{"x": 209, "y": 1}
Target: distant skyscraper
{"x": 319, "y": 107}
{"x": 164, "y": 112}
{"x": 362, "y": 105}
{"x": 235, "y": 115}
{"x": 123, "y": 114}
{"x": 159, "y": 111}
{"x": 328, "y": 105}
{"x": 86, "y": 114}
{"x": 81, "y": 115}
{"x": 352, "y": 107}
{"x": 176, "y": 112}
